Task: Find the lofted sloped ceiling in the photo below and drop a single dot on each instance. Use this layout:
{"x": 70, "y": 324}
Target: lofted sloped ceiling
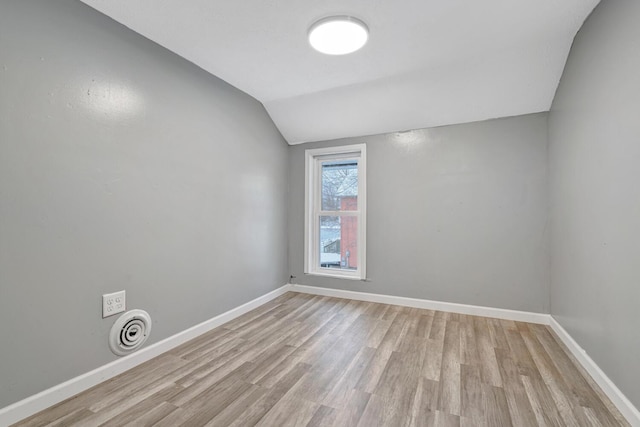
{"x": 427, "y": 63}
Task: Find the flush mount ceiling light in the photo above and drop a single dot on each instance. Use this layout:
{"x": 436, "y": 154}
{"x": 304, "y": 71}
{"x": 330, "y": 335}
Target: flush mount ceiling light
{"x": 338, "y": 35}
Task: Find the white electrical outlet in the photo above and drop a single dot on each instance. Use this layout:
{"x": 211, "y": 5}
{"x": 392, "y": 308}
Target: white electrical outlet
{"x": 113, "y": 303}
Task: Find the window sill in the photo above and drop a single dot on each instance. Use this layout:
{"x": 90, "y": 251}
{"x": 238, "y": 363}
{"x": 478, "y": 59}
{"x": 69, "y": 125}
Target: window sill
{"x": 335, "y": 275}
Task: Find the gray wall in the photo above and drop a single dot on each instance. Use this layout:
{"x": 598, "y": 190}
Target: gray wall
{"x": 456, "y": 213}
{"x": 594, "y": 134}
{"x": 122, "y": 166}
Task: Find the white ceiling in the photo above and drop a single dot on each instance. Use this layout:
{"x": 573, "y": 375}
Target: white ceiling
{"x": 427, "y": 63}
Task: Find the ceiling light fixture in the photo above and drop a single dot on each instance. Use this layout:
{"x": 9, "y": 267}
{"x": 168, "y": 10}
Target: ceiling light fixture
{"x": 338, "y": 35}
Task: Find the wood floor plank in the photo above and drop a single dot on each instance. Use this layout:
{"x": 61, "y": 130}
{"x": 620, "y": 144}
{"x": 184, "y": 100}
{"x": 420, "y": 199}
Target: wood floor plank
{"x": 153, "y": 417}
{"x": 306, "y": 314}
{"x": 376, "y": 311}
{"x": 212, "y": 371}
{"x": 360, "y": 330}
{"x": 206, "y": 341}
{"x": 400, "y": 373}
{"x": 115, "y": 411}
{"x": 256, "y": 323}
{"x": 304, "y": 360}
{"x": 173, "y": 419}
{"x": 397, "y": 388}
{"x": 212, "y": 401}
{"x": 542, "y": 403}
{"x": 496, "y": 409}
{"x": 209, "y": 362}
{"x": 290, "y": 411}
{"x": 344, "y": 387}
{"x": 219, "y": 401}
{"x": 391, "y": 313}
{"x": 443, "y": 419}
{"x": 515, "y": 393}
{"x": 472, "y": 403}
{"x": 266, "y": 362}
{"x": 437, "y": 326}
{"x": 496, "y": 332}
{"x": 316, "y": 344}
{"x": 326, "y": 372}
{"x": 378, "y": 330}
{"x": 352, "y": 409}
{"x": 423, "y": 327}
{"x": 351, "y": 313}
{"x": 488, "y": 363}
{"x": 307, "y": 329}
{"x": 468, "y": 346}
{"x": 449, "y": 382}
{"x": 135, "y": 412}
{"x": 52, "y": 415}
{"x": 263, "y": 405}
{"x": 221, "y": 376}
{"x": 519, "y": 352}
{"x": 76, "y": 417}
{"x": 232, "y": 411}
{"x": 425, "y": 401}
{"x": 280, "y": 372}
{"x": 371, "y": 375}
{"x": 433, "y": 359}
{"x": 324, "y": 416}
{"x": 375, "y": 413}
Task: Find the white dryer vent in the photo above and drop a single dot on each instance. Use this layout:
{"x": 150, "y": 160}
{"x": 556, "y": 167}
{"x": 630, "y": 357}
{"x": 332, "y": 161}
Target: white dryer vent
{"x": 129, "y": 332}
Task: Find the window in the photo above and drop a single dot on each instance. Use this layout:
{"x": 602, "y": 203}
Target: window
{"x": 335, "y": 211}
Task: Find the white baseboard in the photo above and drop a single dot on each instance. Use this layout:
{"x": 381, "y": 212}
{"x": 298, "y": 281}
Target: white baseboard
{"x": 474, "y": 310}
{"x": 36, "y": 403}
{"x": 628, "y": 410}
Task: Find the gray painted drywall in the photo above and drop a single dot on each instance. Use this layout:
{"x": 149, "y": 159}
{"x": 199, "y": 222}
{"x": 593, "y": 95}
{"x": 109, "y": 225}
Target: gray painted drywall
{"x": 594, "y": 133}
{"x": 122, "y": 166}
{"x": 455, "y": 213}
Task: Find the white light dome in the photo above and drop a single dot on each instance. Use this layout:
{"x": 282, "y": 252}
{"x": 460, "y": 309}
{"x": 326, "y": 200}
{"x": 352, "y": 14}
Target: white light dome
{"x": 338, "y": 35}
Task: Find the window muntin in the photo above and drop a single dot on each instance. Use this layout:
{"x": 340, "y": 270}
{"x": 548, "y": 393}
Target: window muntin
{"x": 335, "y": 212}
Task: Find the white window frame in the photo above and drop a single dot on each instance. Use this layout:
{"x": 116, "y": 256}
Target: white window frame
{"x": 313, "y": 209}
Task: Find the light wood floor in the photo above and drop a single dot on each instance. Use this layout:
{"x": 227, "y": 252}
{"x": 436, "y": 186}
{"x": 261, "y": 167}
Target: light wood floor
{"x": 315, "y": 361}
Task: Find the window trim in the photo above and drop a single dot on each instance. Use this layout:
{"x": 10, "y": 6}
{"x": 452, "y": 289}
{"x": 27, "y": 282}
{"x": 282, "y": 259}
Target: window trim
{"x": 312, "y": 209}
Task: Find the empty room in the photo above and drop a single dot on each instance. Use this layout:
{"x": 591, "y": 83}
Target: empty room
{"x": 335, "y": 213}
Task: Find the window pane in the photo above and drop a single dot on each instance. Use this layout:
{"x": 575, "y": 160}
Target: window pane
{"x": 338, "y": 242}
{"x": 340, "y": 185}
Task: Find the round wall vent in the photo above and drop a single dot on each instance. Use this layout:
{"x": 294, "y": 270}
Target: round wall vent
{"x": 129, "y": 332}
